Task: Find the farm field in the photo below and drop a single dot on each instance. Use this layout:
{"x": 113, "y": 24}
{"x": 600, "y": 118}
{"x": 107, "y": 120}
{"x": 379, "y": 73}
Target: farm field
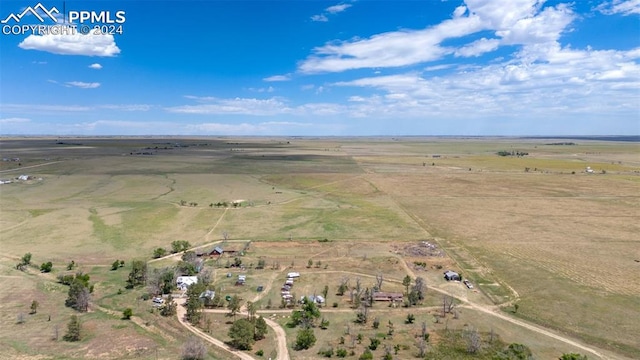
{"x": 538, "y": 231}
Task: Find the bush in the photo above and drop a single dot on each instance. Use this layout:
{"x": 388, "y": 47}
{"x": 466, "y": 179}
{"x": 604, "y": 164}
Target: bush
{"x": 305, "y": 339}
{"x": 341, "y": 352}
{"x": 46, "y": 267}
{"x": 374, "y": 343}
{"x": 366, "y": 355}
{"x": 159, "y": 252}
{"x": 127, "y": 313}
{"x": 326, "y": 352}
{"x": 194, "y": 349}
{"x": 260, "y": 353}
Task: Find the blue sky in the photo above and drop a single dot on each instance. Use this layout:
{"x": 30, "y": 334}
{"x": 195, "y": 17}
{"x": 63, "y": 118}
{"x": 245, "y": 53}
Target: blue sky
{"x": 317, "y": 68}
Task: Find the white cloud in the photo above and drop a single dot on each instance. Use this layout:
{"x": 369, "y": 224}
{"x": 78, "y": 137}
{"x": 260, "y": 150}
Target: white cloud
{"x": 320, "y": 18}
{"x": 42, "y": 108}
{"x": 459, "y": 11}
{"x": 127, "y": 107}
{"x": 515, "y": 22}
{"x": 95, "y": 66}
{"x": 285, "y": 123}
{"x": 14, "y": 120}
{"x": 331, "y": 10}
{"x": 393, "y": 49}
{"x": 568, "y": 82}
{"x": 337, "y": 8}
{"x": 50, "y": 109}
{"x": 82, "y": 85}
{"x": 478, "y": 47}
{"x": 269, "y": 89}
{"x": 240, "y": 106}
{"x": 624, "y": 7}
{"x": 278, "y": 78}
{"x": 226, "y": 129}
{"x": 77, "y": 44}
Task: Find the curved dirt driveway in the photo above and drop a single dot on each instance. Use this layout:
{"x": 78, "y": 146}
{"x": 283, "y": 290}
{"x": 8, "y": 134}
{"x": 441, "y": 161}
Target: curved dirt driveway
{"x": 181, "y": 311}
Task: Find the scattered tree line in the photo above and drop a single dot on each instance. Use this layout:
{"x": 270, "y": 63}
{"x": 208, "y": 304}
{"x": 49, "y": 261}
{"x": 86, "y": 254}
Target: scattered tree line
{"x": 512, "y": 153}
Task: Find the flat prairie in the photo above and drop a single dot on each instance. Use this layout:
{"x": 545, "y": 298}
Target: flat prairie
{"x": 552, "y": 227}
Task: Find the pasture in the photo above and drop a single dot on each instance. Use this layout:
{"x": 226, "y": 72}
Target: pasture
{"x": 537, "y": 230}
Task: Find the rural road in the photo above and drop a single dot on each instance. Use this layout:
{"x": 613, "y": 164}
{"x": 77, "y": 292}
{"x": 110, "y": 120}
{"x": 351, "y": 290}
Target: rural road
{"x": 181, "y": 311}
{"x": 29, "y": 167}
{"x": 493, "y": 312}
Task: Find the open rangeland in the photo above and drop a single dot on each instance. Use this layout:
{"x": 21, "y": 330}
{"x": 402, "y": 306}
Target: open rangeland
{"x": 548, "y": 239}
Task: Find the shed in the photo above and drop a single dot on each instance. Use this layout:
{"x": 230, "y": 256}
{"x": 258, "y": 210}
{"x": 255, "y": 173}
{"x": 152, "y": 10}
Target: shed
{"x": 217, "y": 251}
{"x": 451, "y": 275}
{"x": 387, "y": 296}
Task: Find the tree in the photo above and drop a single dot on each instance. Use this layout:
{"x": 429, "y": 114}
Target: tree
{"x": 127, "y": 313}
{"x": 447, "y": 304}
{"x": 74, "y": 329}
{"x": 194, "y": 305}
{"x": 305, "y": 339}
{"x": 169, "y": 308}
{"x": 179, "y": 246}
{"x": 573, "y": 356}
{"x": 379, "y": 280}
{"x": 362, "y": 316}
{"x": 161, "y": 281}
{"x": 260, "y": 328}
{"x": 344, "y": 285}
{"x": 234, "y": 305}
{"x": 515, "y": 308}
{"x": 79, "y": 295}
{"x": 46, "y": 267}
{"x": 138, "y": 274}
{"x": 24, "y": 262}
{"x": 419, "y": 288}
{"x": 325, "y": 292}
{"x": 251, "y": 309}
{"x": 472, "y": 337}
{"x": 406, "y": 282}
{"x": 306, "y": 316}
{"x": 34, "y": 306}
{"x": 115, "y": 265}
{"x": 194, "y": 349}
{"x": 242, "y": 334}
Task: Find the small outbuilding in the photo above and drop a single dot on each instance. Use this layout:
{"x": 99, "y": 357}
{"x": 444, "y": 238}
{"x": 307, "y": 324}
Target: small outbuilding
{"x": 183, "y": 282}
{"x": 451, "y": 276}
{"x": 387, "y": 296}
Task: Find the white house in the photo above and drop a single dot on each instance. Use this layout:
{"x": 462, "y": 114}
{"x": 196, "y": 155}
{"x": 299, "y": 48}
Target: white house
{"x": 183, "y": 282}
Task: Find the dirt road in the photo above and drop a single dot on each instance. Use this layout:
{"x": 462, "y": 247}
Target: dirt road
{"x": 182, "y": 311}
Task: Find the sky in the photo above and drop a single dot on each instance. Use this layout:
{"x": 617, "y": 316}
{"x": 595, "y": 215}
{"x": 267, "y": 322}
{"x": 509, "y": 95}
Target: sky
{"x": 320, "y": 68}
